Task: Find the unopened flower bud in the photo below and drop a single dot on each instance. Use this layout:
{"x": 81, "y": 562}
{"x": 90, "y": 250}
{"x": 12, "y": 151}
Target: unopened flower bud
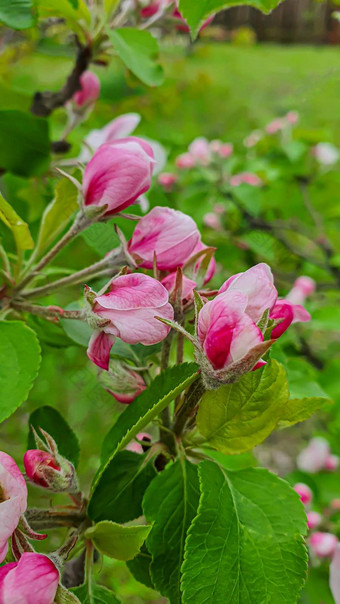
{"x": 331, "y": 463}
{"x": 185, "y": 161}
{"x": 122, "y": 383}
{"x": 314, "y": 519}
{"x": 49, "y": 471}
{"x": 323, "y": 544}
{"x": 304, "y": 491}
{"x": 167, "y": 180}
{"x": 90, "y": 89}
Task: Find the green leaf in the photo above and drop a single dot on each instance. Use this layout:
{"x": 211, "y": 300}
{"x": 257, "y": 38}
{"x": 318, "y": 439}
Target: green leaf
{"x": 19, "y": 364}
{"x": 138, "y": 49}
{"x": 245, "y": 544}
{"x": 101, "y": 237}
{"x": 151, "y": 402}
{"x": 67, "y": 10}
{"x": 299, "y": 409}
{"x": 100, "y": 595}
{"x": 117, "y": 541}
{"x": 24, "y": 143}
{"x": 17, "y": 13}
{"x": 19, "y": 228}
{"x": 50, "y": 420}
{"x": 171, "y": 503}
{"x": 236, "y": 417}
{"x": 139, "y": 567}
{"x": 195, "y": 12}
{"x": 57, "y": 215}
{"x": 119, "y": 493}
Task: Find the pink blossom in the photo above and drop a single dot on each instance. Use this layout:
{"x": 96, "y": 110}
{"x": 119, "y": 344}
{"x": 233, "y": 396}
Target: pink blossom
{"x": 257, "y": 283}
{"x": 167, "y": 180}
{"x": 32, "y": 580}
{"x": 169, "y": 234}
{"x": 212, "y": 220}
{"x": 185, "y": 161}
{"x": 303, "y": 287}
{"x": 304, "y": 491}
{"x": 36, "y": 462}
{"x": 118, "y": 174}
{"x": 323, "y": 544}
{"x": 90, "y": 89}
{"x": 292, "y": 117}
{"x": 188, "y": 286}
{"x": 287, "y": 313}
{"x": 135, "y": 446}
{"x": 314, "y": 519}
{"x": 120, "y": 127}
{"x": 130, "y": 309}
{"x": 222, "y": 149}
{"x": 247, "y": 178}
{"x": 200, "y": 150}
{"x": 275, "y": 126}
{"x": 332, "y": 463}
{"x": 334, "y": 574}
{"x": 225, "y": 330}
{"x": 13, "y": 500}
{"x": 312, "y": 459}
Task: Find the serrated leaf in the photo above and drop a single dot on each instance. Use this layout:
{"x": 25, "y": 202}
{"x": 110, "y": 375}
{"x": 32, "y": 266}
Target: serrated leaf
{"x": 17, "y": 14}
{"x": 171, "y": 503}
{"x": 100, "y": 595}
{"x": 138, "y": 49}
{"x": 151, "y": 402}
{"x": 57, "y": 215}
{"x": 24, "y": 144}
{"x": 119, "y": 494}
{"x": 299, "y": 409}
{"x": 195, "y": 12}
{"x": 19, "y": 364}
{"x": 19, "y": 228}
{"x": 236, "y": 417}
{"x": 50, "y": 420}
{"x": 117, "y": 541}
{"x": 245, "y": 544}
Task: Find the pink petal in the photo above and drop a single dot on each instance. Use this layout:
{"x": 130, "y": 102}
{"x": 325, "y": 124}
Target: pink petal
{"x": 139, "y": 326}
{"x": 99, "y": 348}
{"x": 13, "y": 499}
{"x": 120, "y": 127}
{"x": 32, "y": 580}
{"x": 334, "y": 575}
{"x": 134, "y": 291}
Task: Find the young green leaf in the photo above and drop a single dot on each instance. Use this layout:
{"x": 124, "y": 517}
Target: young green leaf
{"x": 171, "y": 503}
{"x": 17, "y": 14}
{"x": 245, "y": 544}
{"x": 100, "y": 595}
{"x": 25, "y": 144}
{"x": 119, "y": 493}
{"x": 117, "y": 541}
{"x": 50, "y": 420}
{"x": 19, "y": 364}
{"x": 138, "y": 49}
{"x": 236, "y": 417}
{"x": 19, "y": 228}
{"x": 299, "y": 409}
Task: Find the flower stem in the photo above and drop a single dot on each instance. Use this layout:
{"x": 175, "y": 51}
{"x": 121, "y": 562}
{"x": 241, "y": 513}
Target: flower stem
{"x": 88, "y": 567}
{"x": 192, "y": 399}
{"x": 48, "y": 312}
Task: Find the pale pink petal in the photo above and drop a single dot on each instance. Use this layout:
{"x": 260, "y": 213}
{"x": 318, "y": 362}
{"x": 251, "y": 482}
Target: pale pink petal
{"x": 13, "y": 500}
{"x": 120, "y": 127}
{"x": 334, "y": 575}
{"x": 139, "y": 325}
{"x": 33, "y": 580}
{"x": 313, "y": 458}
{"x": 134, "y": 291}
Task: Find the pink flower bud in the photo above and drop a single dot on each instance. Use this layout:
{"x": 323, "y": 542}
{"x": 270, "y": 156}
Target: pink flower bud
{"x": 200, "y": 150}
{"x": 302, "y": 288}
{"x": 225, "y": 330}
{"x": 32, "y": 580}
{"x": 167, "y": 180}
{"x": 275, "y": 126}
{"x": 212, "y": 221}
{"x": 292, "y": 117}
{"x": 222, "y": 149}
{"x": 13, "y": 501}
{"x": 49, "y": 471}
{"x": 122, "y": 383}
{"x": 257, "y": 283}
{"x": 129, "y": 310}
{"x": 185, "y": 161}
{"x": 304, "y": 491}
{"x": 312, "y": 459}
{"x": 323, "y": 544}
{"x": 150, "y": 9}
{"x": 118, "y": 174}
{"x": 90, "y": 89}
{"x": 136, "y": 447}
{"x": 169, "y": 234}
{"x": 332, "y": 463}
{"x": 314, "y": 519}
{"x": 334, "y": 575}
{"x": 287, "y": 313}
{"x": 188, "y": 286}
{"x": 247, "y": 178}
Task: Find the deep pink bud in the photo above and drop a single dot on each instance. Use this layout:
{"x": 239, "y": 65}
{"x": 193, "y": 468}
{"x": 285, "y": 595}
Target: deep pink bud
{"x": 304, "y": 491}
{"x": 332, "y": 463}
{"x": 32, "y": 580}
{"x": 122, "y": 383}
{"x": 302, "y": 288}
{"x": 35, "y": 462}
{"x": 129, "y": 310}
{"x": 13, "y": 500}
{"x": 90, "y": 89}
{"x": 185, "y": 161}
{"x": 314, "y": 519}
{"x": 323, "y": 544}
{"x": 169, "y": 234}
{"x": 287, "y": 313}
{"x": 50, "y": 471}
{"x": 167, "y": 180}
{"x": 118, "y": 174}
{"x": 334, "y": 575}
{"x": 150, "y": 10}
{"x": 313, "y": 458}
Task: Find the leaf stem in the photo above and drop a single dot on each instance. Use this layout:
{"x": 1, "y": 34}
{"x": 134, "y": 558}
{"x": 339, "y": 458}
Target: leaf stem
{"x": 48, "y": 312}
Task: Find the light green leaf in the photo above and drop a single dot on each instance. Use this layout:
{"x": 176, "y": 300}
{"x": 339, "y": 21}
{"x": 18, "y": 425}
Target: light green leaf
{"x": 245, "y": 544}
{"x": 50, "y": 420}
{"x": 65, "y": 10}
{"x": 19, "y": 364}
{"x": 19, "y": 228}
{"x": 138, "y": 49}
{"x": 299, "y": 409}
{"x": 100, "y": 595}
{"x": 24, "y": 144}
{"x": 171, "y": 503}
{"x": 236, "y": 417}
{"x": 17, "y": 14}
{"x": 57, "y": 215}
{"x": 195, "y": 12}
{"x": 117, "y": 541}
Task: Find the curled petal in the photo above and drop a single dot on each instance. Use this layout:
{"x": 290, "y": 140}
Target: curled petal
{"x": 99, "y": 348}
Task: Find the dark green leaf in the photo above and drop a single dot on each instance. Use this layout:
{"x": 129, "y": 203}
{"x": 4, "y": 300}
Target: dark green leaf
{"x": 50, "y": 420}
{"x": 138, "y": 49}
{"x": 117, "y": 541}
{"x": 100, "y": 595}
{"x": 17, "y": 14}
{"x": 245, "y": 544}
{"x": 24, "y": 143}
{"x": 140, "y": 567}
{"x": 171, "y": 503}
{"x": 19, "y": 364}
{"x": 119, "y": 493}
